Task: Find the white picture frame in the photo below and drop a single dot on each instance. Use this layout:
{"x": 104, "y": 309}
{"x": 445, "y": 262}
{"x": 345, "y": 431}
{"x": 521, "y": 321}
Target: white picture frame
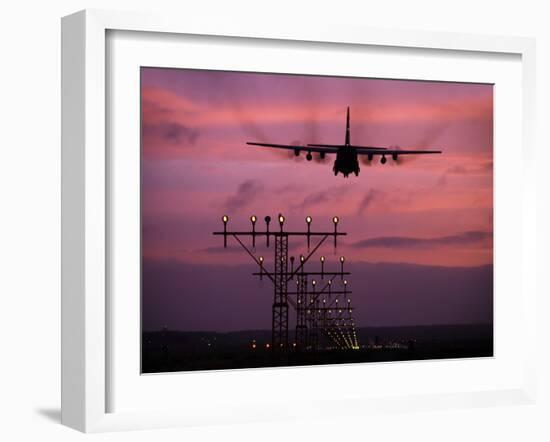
{"x": 86, "y": 202}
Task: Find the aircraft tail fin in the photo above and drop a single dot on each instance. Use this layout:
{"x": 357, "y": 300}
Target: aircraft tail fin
{"x": 347, "y": 130}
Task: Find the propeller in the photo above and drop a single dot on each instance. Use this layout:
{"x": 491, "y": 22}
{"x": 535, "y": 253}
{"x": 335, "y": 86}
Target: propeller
{"x": 366, "y": 159}
{"x": 396, "y": 159}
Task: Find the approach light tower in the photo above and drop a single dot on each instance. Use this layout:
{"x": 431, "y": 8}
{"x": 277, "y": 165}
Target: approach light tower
{"x": 325, "y": 310}
{"x": 281, "y": 275}
{"x": 312, "y": 287}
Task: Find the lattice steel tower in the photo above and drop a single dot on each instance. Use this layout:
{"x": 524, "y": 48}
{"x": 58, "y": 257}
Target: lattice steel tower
{"x": 279, "y": 336}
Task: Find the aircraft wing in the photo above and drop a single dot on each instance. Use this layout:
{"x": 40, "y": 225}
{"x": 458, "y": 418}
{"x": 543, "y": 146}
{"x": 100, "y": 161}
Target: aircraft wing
{"x": 362, "y": 151}
{"x": 332, "y": 146}
{"x": 338, "y": 146}
{"x": 298, "y": 148}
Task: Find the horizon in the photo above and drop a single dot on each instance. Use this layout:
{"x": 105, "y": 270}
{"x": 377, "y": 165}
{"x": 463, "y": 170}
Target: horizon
{"x": 268, "y": 330}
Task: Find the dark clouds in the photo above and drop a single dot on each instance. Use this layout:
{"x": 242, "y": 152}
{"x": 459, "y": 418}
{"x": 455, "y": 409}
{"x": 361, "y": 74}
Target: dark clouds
{"x": 460, "y": 239}
{"x": 313, "y": 199}
{"x": 320, "y": 197}
{"x": 371, "y": 196}
{"x": 246, "y": 193}
{"x": 168, "y": 132}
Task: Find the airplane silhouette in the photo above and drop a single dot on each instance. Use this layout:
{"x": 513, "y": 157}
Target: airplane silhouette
{"x": 346, "y": 154}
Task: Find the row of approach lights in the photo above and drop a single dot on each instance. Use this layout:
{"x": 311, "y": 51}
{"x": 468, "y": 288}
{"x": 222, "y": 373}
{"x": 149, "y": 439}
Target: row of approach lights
{"x": 267, "y": 219}
{"x": 302, "y": 260}
{"x": 314, "y": 283}
{"x": 329, "y": 310}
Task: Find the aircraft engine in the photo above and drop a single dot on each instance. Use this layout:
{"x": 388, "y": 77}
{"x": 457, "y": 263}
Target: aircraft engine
{"x": 322, "y": 155}
{"x": 296, "y": 152}
{"x": 309, "y": 157}
{"x": 394, "y": 156}
{"x": 370, "y": 156}
{"x": 383, "y": 159}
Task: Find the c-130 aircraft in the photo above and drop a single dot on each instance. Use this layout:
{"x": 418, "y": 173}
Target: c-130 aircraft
{"x": 346, "y": 154}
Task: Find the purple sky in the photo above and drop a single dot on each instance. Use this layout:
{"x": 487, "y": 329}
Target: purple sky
{"x": 425, "y": 211}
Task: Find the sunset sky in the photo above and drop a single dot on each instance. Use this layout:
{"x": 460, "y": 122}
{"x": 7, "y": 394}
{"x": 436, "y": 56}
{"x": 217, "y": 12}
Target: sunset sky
{"x": 425, "y": 212}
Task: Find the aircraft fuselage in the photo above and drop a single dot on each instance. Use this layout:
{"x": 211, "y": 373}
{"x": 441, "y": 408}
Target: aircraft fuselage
{"x": 346, "y": 162}
{"x": 346, "y": 159}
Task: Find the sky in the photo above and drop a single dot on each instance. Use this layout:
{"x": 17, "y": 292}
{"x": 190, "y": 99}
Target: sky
{"x": 429, "y": 213}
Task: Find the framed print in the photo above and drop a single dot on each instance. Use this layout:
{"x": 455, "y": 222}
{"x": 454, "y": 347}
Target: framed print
{"x": 248, "y": 212}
